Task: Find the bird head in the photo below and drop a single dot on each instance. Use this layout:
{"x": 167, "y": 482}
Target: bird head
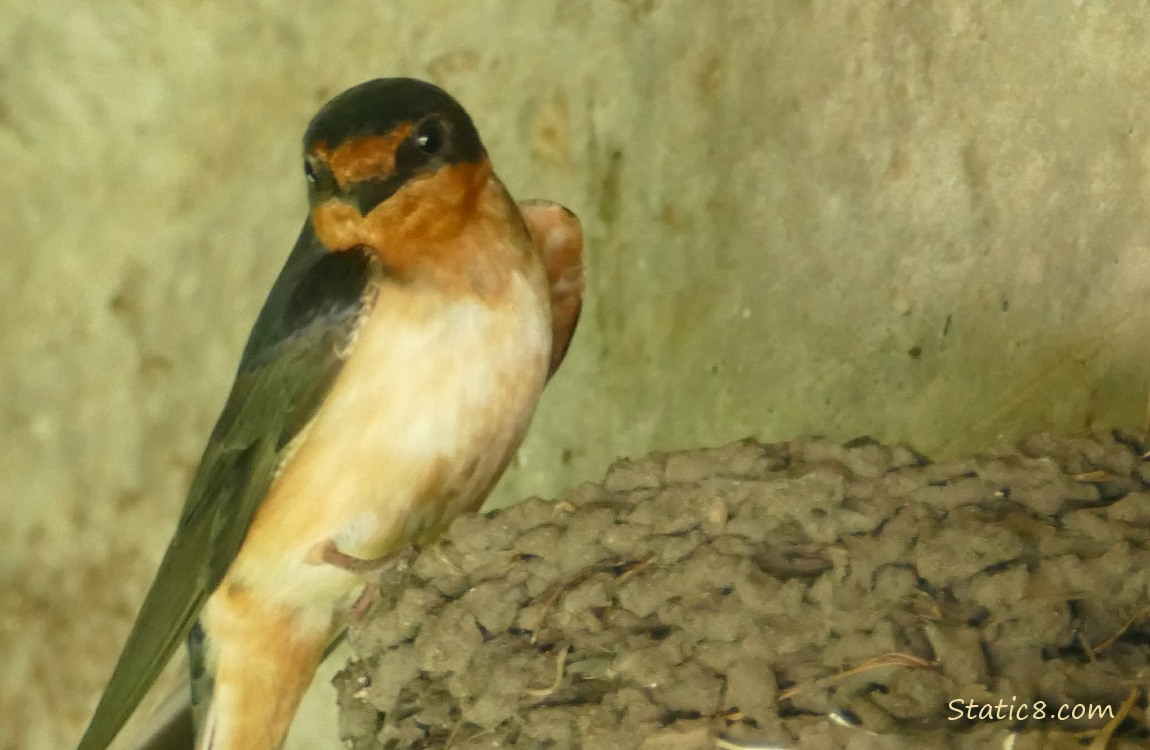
{"x": 389, "y": 161}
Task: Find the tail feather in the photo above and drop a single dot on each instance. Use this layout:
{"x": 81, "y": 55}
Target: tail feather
{"x": 261, "y": 663}
{"x": 200, "y": 677}
{"x": 184, "y": 715}
{"x": 170, "y": 728}
{"x": 206, "y": 732}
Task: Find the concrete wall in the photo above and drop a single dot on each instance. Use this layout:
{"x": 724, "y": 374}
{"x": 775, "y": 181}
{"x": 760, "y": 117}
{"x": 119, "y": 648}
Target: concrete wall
{"x": 922, "y": 221}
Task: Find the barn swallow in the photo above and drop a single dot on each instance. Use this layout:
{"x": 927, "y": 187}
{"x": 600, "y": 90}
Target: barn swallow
{"x": 386, "y": 384}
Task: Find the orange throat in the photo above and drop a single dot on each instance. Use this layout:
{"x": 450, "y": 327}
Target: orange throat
{"x": 447, "y": 225}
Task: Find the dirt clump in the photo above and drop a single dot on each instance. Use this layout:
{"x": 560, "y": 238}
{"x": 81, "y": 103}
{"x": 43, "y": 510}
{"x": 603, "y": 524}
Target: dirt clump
{"x": 793, "y": 595}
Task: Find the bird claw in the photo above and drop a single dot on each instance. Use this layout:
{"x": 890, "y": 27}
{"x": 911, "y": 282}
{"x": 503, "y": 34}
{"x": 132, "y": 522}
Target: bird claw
{"x": 371, "y": 570}
{"x": 331, "y": 554}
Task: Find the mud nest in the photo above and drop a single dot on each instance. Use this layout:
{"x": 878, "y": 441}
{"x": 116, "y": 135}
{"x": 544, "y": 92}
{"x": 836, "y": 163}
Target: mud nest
{"x": 794, "y": 595}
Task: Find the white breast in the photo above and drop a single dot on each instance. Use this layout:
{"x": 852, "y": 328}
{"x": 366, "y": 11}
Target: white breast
{"x": 435, "y": 395}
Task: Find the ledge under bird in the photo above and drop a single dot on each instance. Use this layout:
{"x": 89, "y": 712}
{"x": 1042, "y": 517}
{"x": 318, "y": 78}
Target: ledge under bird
{"x": 389, "y": 379}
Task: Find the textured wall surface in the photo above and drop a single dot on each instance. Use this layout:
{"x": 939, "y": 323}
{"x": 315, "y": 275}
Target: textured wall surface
{"x": 924, "y": 222}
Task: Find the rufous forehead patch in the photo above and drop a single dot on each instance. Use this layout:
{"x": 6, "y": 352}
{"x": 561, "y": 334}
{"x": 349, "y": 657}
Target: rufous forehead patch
{"x": 363, "y": 158}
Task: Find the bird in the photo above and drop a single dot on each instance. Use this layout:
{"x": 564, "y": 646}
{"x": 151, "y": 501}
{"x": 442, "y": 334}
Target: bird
{"x": 387, "y": 383}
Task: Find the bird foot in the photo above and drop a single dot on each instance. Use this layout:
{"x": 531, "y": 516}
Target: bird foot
{"x": 330, "y": 554}
{"x": 371, "y": 570}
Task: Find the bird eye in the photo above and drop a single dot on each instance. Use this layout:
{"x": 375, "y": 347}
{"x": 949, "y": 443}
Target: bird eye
{"x": 429, "y": 137}
{"x": 309, "y": 171}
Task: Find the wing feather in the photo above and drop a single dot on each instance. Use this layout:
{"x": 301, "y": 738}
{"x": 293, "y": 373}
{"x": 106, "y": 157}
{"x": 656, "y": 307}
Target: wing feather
{"x": 558, "y": 237}
{"x": 296, "y": 350}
